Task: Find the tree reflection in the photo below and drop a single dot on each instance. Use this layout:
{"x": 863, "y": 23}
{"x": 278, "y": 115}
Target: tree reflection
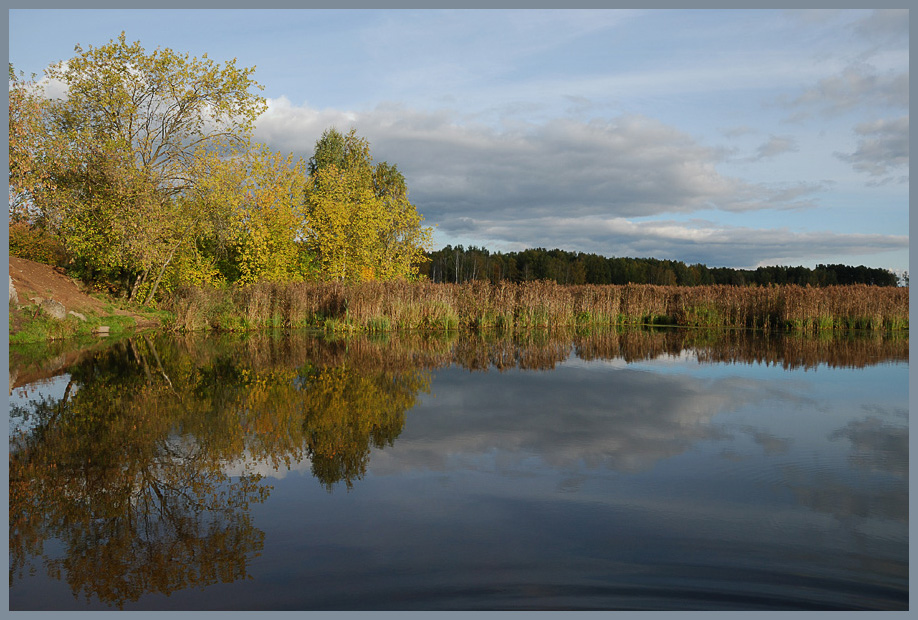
{"x": 128, "y": 469}
{"x": 790, "y": 351}
{"x": 347, "y": 412}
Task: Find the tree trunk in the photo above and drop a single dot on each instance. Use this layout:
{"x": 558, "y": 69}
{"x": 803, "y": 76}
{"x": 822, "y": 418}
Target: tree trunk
{"x": 140, "y": 280}
{"x": 159, "y": 277}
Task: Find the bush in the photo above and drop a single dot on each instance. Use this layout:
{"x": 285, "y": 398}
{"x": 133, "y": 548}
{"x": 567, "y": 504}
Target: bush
{"x": 36, "y": 244}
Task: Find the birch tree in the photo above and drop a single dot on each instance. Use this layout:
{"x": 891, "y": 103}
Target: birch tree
{"x": 360, "y": 224}
{"x": 140, "y": 121}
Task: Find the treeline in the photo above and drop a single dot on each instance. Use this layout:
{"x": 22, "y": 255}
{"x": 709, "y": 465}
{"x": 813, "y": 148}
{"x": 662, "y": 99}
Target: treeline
{"x": 459, "y": 264}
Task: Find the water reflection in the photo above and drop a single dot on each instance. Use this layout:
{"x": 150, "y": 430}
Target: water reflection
{"x": 128, "y": 468}
{"x": 146, "y": 470}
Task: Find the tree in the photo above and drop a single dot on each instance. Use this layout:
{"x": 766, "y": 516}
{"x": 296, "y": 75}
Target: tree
{"x": 163, "y": 106}
{"x": 360, "y": 224}
{"x": 27, "y": 172}
{"x": 260, "y": 195}
{"x": 137, "y": 123}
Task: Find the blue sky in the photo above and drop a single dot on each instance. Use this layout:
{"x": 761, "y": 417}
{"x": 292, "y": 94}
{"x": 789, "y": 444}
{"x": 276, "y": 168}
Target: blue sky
{"x": 732, "y": 138}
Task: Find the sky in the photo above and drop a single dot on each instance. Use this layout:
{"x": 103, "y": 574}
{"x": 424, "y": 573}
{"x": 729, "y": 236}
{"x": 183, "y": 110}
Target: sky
{"x": 732, "y": 138}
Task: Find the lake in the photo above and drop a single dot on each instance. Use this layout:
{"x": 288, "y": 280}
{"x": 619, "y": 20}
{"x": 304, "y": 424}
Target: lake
{"x": 642, "y": 469}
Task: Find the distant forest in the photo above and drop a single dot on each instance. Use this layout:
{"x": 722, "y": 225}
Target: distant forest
{"x": 460, "y": 264}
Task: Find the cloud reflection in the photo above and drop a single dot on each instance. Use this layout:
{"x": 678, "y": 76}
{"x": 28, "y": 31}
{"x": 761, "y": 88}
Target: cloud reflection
{"x": 624, "y": 419}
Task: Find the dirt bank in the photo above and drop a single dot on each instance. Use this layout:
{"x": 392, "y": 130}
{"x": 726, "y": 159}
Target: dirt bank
{"x": 33, "y": 279}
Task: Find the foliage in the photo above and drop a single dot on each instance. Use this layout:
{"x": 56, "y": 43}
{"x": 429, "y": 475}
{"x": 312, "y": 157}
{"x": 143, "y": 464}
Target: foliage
{"x": 255, "y": 200}
{"x": 35, "y": 244}
{"x": 163, "y": 107}
{"x": 28, "y": 169}
{"x": 124, "y": 140}
{"x": 145, "y": 176}
{"x": 360, "y": 224}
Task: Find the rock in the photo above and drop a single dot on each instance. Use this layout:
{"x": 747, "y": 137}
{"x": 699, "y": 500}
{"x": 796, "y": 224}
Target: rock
{"x": 14, "y": 298}
{"x": 55, "y": 309}
{"x": 101, "y": 330}
{"x": 78, "y": 315}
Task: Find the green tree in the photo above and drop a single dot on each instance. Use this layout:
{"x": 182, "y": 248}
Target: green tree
{"x": 27, "y": 170}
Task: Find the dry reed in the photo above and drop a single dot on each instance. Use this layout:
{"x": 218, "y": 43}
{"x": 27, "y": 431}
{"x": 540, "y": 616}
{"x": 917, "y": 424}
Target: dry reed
{"x": 383, "y": 307}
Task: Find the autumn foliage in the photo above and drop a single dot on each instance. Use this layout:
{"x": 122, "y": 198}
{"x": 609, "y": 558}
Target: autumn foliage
{"x": 145, "y": 175}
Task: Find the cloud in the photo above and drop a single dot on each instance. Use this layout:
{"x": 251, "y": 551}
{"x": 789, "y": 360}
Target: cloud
{"x": 52, "y": 88}
{"x": 776, "y": 145}
{"x": 882, "y": 148}
{"x": 885, "y": 26}
{"x": 771, "y": 444}
{"x": 628, "y": 422}
{"x": 583, "y": 186}
{"x": 692, "y": 242}
{"x": 876, "y": 445}
{"x": 858, "y": 85}
{"x": 629, "y": 166}
{"x": 736, "y": 132}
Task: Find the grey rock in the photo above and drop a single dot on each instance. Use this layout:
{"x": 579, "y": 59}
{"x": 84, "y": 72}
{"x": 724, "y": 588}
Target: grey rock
{"x": 55, "y": 309}
{"x": 78, "y": 315}
{"x": 14, "y": 298}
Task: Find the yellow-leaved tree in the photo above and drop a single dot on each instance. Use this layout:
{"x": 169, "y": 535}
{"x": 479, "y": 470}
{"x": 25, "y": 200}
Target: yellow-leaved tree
{"x": 359, "y": 223}
{"x": 126, "y": 138}
{"x": 263, "y": 193}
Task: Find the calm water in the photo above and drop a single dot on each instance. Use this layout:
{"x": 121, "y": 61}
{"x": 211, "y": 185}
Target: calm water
{"x": 641, "y": 470}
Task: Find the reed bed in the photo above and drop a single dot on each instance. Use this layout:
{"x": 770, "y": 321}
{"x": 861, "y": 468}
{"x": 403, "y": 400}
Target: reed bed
{"x": 391, "y": 306}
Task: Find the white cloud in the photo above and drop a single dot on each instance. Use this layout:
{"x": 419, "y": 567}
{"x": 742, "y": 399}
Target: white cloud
{"x": 736, "y": 132}
{"x": 776, "y": 145}
{"x": 628, "y": 166}
{"x": 882, "y": 147}
{"x": 582, "y": 186}
{"x": 884, "y": 25}
{"x": 646, "y": 424}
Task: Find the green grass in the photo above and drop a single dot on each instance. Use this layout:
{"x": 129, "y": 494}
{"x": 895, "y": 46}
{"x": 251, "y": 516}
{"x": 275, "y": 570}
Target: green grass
{"x": 379, "y": 324}
{"x": 29, "y": 324}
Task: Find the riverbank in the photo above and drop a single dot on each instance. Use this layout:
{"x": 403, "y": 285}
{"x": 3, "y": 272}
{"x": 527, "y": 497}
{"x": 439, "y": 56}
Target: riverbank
{"x": 398, "y": 306}
{"x": 46, "y": 305}
{"x": 381, "y": 307}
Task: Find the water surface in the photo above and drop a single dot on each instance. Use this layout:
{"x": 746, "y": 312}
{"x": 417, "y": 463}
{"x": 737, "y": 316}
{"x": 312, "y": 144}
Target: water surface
{"x": 636, "y": 470}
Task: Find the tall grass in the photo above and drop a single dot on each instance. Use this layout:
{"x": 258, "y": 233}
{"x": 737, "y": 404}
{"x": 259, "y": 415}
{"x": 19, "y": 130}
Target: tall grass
{"x": 383, "y": 307}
